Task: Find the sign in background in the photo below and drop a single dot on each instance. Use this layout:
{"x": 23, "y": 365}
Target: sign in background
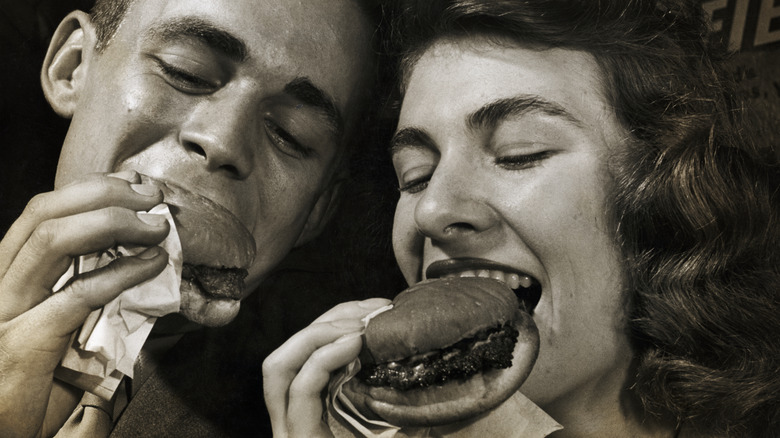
{"x": 752, "y": 29}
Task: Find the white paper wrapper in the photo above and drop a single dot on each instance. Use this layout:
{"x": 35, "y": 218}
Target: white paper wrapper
{"x": 518, "y": 417}
{"x": 107, "y": 345}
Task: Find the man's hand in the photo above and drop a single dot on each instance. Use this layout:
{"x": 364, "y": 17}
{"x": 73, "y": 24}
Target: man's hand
{"x": 88, "y": 216}
{"x": 297, "y": 373}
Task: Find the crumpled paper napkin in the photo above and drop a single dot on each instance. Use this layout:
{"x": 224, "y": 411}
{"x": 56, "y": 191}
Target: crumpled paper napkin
{"x": 108, "y": 344}
{"x": 518, "y": 417}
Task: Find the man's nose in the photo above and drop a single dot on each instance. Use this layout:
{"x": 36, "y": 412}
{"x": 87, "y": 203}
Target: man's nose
{"x": 455, "y": 204}
{"x": 222, "y": 133}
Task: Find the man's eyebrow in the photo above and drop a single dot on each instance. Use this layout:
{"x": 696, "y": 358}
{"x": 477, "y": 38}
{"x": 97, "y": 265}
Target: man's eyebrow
{"x": 493, "y": 113}
{"x": 303, "y": 90}
{"x": 409, "y": 137}
{"x": 208, "y": 33}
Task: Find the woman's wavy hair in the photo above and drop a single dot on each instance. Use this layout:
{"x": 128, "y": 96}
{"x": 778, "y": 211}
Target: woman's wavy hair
{"x": 695, "y": 204}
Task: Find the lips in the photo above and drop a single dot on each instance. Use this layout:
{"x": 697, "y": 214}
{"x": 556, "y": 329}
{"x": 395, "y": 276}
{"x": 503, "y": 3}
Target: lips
{"x": 527, "y": 289}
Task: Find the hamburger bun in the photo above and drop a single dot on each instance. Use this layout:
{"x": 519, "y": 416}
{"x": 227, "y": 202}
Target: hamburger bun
{"x": 217, "y": 250}
{"x": 431, "y": 324}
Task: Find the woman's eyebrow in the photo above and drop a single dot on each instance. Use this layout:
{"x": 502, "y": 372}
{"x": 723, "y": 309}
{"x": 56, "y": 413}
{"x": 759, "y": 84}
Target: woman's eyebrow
{"x": 208, "y": 33}
{"x": 409, "y": 137}
{"x": 493, "y": 113}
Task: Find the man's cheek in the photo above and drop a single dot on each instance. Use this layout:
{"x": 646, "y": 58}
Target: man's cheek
{"x": 152, "y": 103}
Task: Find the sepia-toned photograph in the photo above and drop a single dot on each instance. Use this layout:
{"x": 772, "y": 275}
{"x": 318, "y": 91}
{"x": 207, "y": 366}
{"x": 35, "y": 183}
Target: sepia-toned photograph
{"x": 390, "y": 218}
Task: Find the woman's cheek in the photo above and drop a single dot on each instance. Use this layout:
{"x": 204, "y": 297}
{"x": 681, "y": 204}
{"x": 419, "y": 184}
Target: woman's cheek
{"x": 407, "y": 242}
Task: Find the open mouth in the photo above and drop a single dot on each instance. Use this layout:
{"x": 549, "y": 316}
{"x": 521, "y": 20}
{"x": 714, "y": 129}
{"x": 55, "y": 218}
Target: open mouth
{"x": 527, "y": 289}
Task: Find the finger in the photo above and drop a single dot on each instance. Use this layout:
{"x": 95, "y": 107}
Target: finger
{"x": 93, "y": 193}
{"x": 47, "y": 327}
{"x": 130, "y": 176}
{"x": 281, "y": 366}
{"x": 49, "y": 251}
{"x": 353, "y": 309}
{"x": 305, "y": 398}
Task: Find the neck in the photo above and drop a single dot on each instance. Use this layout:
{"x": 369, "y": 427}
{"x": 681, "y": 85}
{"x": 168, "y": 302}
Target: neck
{"x": 617, "y": 415}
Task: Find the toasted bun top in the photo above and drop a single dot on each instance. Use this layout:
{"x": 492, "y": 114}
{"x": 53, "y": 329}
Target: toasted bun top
{"x": 435, "y": 314}
{"x": 210, "y": 234}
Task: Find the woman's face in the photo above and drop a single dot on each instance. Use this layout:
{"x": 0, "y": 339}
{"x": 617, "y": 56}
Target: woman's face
{"x": 501, "y": 155}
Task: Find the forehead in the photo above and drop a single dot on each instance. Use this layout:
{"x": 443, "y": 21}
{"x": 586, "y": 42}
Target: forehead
{"x": 468, "y": 73}
{"x": 326, "y": 41}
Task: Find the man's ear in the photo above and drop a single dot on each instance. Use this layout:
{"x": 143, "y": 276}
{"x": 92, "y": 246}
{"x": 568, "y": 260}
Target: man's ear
{"x": 65, "y": 66}
{"x": 323, "y": 211}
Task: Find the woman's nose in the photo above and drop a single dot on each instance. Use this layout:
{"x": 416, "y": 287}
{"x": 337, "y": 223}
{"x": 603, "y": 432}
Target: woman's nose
{"x": 454, "y": 205}
{"x": 222, "y": 133}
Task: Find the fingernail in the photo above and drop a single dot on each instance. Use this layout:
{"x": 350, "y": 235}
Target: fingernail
{"x": 373, "y": 303}
{"x": 127, "y": 175}
{"x": 150, "y": 253}
{"x": 348, "y": 337}
{"x": 145, "y": 189}
{"x": 155, "y": 220}
{"x": 347, "y": 323}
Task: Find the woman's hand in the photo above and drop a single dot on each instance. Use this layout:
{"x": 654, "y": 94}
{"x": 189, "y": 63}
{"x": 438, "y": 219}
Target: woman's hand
{"x": 88, "y": 216}
{"x": 297, "y": 373}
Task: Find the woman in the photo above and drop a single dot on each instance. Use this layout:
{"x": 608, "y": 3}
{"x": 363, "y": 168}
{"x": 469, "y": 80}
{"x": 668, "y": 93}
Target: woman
{"x": 597, "y": 149}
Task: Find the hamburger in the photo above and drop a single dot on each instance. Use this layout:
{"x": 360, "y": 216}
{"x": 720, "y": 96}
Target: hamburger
{"x": 448, "y": 350}
{"x": 217, "y": 251}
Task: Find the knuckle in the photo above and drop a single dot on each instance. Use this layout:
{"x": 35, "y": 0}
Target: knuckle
{"x": 37, "y": 205}
{"x": 44, "y": 236}
{"x": 112, "y": 215}
{"x": 301, "y": 387}
{"x": 347, "y": 305}
{"x": 272, "y": 364}
{"x": 104, "y": 185}
{"x": 78, "y": 291}
{"x": 113, "y": 219}
{"x": 7, "y": 357}
{"x": 318, "y": 356}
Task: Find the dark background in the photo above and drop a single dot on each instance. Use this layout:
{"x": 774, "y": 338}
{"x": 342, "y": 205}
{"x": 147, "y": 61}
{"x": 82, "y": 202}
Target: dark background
{"x": 30, "y": 132}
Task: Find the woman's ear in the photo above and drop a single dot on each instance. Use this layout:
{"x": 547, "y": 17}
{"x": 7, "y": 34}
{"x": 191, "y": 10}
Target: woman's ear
{"x": 66, "y": 63}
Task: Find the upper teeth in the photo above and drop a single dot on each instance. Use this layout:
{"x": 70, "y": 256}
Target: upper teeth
{"x": 512, "y": 280}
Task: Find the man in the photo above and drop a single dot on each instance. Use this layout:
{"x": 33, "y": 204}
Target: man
{"x": 246, "y": 103}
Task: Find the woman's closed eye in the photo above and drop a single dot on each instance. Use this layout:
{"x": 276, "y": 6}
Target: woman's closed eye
{"x": 415, "y": 186}
{"x": 523, "y": 161}
{"x": 415, "y": 180}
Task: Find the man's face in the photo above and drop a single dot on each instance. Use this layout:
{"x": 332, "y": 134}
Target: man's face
{"x": 501, "y": 154}
{"x": 241, "y": 101}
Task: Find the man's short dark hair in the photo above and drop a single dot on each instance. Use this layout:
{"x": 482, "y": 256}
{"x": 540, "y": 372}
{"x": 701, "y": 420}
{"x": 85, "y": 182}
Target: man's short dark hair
{"x": 107, "y": 16}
